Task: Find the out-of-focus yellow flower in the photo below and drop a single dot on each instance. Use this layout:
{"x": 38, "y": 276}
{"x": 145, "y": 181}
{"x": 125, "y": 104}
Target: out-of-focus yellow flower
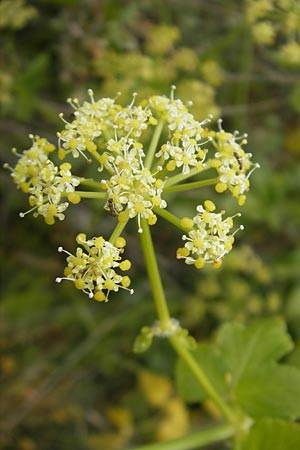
{"x": 212, "y": 72}
{"x": 202, "y": 96}
{"x": 156, "y": 388}
{"x": 175, "y": 422}
{"x": 290, "y": 53}
{"x": 185, "y": 59}
{"x": 121, "y": 418}
{"x": 264, "y": 33}
{"x": 161, "y": 39}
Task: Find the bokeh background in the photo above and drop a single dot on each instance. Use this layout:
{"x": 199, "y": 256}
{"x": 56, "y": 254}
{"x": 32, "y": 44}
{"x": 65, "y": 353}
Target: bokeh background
{"x": 69, "y": 378}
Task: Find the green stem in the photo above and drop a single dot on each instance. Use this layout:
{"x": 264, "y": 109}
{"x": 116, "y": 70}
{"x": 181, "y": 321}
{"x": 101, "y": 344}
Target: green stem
{"x": 193, "y": 185}
{"x": 164, "y": 317}
{"x": 153, "y": 144}
{"x": 91, "y": 183}
{"x": 88, "y": 194}
{"x": 180, "y": 177}
{"x": 169, "y": 217}
{"x": 154, "y": 276}
{"x": 193, "y": 440}
{"x": 117, "y": 231}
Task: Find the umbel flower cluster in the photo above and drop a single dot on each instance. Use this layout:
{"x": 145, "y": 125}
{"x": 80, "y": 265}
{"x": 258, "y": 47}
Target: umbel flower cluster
{"x": 142, "y": 152}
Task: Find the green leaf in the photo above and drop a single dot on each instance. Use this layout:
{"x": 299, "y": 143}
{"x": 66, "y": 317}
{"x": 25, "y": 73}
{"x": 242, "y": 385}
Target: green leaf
{"x": 294, "y": 358}
{"x": 259, "y": 344}
{"x": 259, "y": 385}
{"x": 211, "y": 363}
{"x": 244, "y": 370}
{"x": 273, "y": 390}
{"x": 268, "y": 434}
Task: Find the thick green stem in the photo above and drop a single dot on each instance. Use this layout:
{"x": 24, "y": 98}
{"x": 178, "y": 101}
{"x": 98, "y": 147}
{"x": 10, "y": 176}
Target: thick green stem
{"x": 164, "y": 317}
{"x": 153, "y": 144}
{"x": 193, "y": 185}
{"x": 154, "y": 276}
{"x": 193, "y": 440}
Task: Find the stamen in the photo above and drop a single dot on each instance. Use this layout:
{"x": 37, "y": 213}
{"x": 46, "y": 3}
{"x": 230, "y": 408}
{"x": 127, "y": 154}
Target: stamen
{"x": 91, "y": 94}
{"x": 131, "y": 291}
{"x": 207, "y": 119}
{"x": 23, "y": 214}
{"x": 73, "y": 102}
{"x": 256, "y": 166}
{"x": 7, "y": 166}
{"x": 61, "y": 116}
{"x": 60, "y": 279}
{"x": 115, "y": 127}
{"x": 241, "y": 227}
{"x": 133, "y": 100}
{"x": 209, "y": 139}
{"x": 14, "y": 151}
{"x": 173, "y": 89}
{"x": 140, "y": 229}
{"x": 236, "y": 215}
{"x": 61, "y": 249}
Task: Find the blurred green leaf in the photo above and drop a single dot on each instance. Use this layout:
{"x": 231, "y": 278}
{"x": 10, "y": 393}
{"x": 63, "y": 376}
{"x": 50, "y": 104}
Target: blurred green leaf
{"x": 268, "y": 434}
{"x": 272, "y": 390}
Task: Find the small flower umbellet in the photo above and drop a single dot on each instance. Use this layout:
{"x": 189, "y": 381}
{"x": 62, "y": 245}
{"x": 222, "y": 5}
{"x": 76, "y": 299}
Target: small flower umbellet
{"x": 45, "y": 183}
{"x": 209, "y": 238}
{"x": 93, "y": 267}
{"x": 142, "y": 153}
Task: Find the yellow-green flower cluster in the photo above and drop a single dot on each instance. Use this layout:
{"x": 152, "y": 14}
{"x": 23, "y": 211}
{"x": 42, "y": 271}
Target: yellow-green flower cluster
{"x": 183, "y": 148}
{"x": 132, "y": 186}
{"x": 209, "y": 238}
{"x": 232, "y": 163}
{"x": 45, "y": 183}
{"x": 134, "y": 176}
{"x": 93, "y": 267}
{"x": 143, "y": 152}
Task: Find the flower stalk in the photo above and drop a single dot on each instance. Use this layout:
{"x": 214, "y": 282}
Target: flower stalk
{"x": 153, "y": 144}
{"x": 164, "y": 317}
{"x": 154, "y": 276}
{"x": 193, "y": 185}
{"x": 194, "y": 440}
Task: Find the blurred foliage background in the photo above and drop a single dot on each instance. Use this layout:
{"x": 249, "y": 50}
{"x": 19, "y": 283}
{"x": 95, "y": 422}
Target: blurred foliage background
{"x": 67, "y": 379}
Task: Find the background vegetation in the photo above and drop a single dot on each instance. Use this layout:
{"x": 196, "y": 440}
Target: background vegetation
{"x": 68, "y": 374}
